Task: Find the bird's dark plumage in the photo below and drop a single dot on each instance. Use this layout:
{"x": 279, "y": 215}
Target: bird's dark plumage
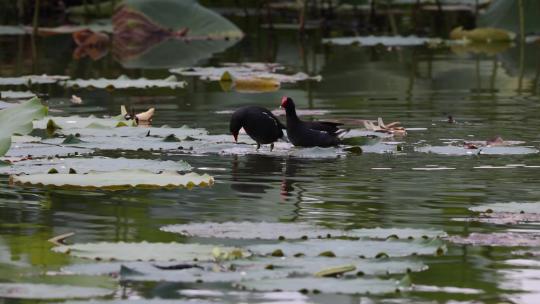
{"x": 259, "y": 123}
{"x": 309, "y": 134}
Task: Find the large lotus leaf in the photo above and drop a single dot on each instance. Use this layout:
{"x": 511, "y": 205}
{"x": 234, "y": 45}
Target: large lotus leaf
{"x": 252, "y": 230}
{"x": 350, "y": 248}
{"x": 148, "y": 272}
{"x": 98, "y": 164}
{"x": 124, "y": 82}
{"x": 505, "y": 14}
{"x": 9, "y": 95}
{"x": 143, "y": 251}
{"x": 509, "y": 207}
{"x": 506, "y": 213}
{"x": 250, "y": 72}
{"x": 401, "y": 233}
{"x": 313, "y": 265}
{"x": 18, "y": 120}
{"x": 376, "y": 40}
{"x": 273, "y": 231}
{"x": 500, "y": 239}
{"x": 326, "y": 285}
{"x": 76, "y": 122}
{"x": 22, "y": 150}
{"x": 187, "y": 14}
{"x": 462, "y": 151}
{"x": 31, "y": 79}
{"x": 117, "y": 180}
{"x": 48, "y": 291}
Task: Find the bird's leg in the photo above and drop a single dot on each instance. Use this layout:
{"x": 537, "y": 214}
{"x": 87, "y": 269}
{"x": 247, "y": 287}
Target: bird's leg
{"x": 271, "y": 147}
{"x": 258, "y": 146}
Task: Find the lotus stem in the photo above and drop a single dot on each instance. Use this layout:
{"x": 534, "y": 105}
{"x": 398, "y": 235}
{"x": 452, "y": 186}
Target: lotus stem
{"x": 521, "y": 45}
{"x": 36, "y": 16}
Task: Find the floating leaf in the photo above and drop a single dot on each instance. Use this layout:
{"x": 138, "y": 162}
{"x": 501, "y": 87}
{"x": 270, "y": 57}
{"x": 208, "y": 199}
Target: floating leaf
{"x": 379, "y": 40}
{"x": 98, "y": 163}
{"x": 325, "y": 285}
{"x": 117, "y": 180}
{"x": 142, "y": 251}
{"x": 31, "y": 79}
{"x": 15, "y": 95}
{"x": 506, "y": 213}
{"x": 274, "y": 231}
{"x": 250, "y": 85}
{"x": 311, "y": 265}
{"x": 49, "y": 292}
{"x": 503, "y": 239}
{"x": 18, "y": 120}
{"x": 487, "y": 35}
{"x": 124, "y": 82}
{"x": 513, "y": 207}
{"x": 350, "y": 248}
{"x": 245, "y": 74}
{"x": 462, "y": 151}
{"x": 250, "y": 230}
{"x": 401, "y": 233}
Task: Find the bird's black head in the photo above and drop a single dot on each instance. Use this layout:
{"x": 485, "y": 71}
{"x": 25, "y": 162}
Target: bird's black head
{"x": 287, "y": 103}
{"x": 235, "y": 125}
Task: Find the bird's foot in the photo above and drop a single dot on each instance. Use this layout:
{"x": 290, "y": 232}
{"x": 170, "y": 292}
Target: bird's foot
{"x": 258, "y": 146}
{"x": 271, "y": 147}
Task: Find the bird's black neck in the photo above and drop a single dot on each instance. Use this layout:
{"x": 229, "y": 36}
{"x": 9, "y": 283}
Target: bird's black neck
{"x": 291, "y": 115}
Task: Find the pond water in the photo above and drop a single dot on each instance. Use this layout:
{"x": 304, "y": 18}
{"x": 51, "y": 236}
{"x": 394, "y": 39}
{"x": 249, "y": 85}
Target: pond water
{"x": 488, "y": 95}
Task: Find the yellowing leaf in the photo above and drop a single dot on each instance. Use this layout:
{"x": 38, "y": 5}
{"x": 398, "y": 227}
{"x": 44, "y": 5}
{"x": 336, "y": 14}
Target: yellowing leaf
{"x": 486, "y": 34}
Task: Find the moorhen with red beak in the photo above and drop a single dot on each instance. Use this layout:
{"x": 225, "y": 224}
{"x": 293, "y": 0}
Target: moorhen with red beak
{"x": 309, "y": 134}
{"x": 259, "y": 123}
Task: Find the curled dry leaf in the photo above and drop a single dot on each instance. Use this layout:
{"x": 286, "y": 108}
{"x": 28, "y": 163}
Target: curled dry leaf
{"x": 145, "y": 116}
{"x": 391, "y": 128}
{"x": 76, "y": 99}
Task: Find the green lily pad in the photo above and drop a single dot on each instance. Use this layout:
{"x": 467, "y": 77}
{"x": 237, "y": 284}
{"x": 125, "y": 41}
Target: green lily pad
{"x": 274, "y": 231}
{"x": 325, "y": 285}
{"x": 513, "y": 207}
{"x": 245, "y": 71}
{"x": 380, "y": 40}
{"x": 18, "y": 120}
{"x": 500, "y": 239}
{"x": 312, "y": 265}
{"x": 353, "y": 248}
{"x": 16, "y": 95}
{"x": 462, "y": 151}
{"x": 124, "y": 82}
{"x": 142, "y": 251}
{"x": 208, "y": 274}
{"x": 49, "y": 291}
{"x": 97, "y": 164}
{"x": 506, "y": 213}
{"x": 117, "y": 180}
{"x": 31, "y": 79}
{"x": 251, "y": 230}
{"x": 400, "y": 233}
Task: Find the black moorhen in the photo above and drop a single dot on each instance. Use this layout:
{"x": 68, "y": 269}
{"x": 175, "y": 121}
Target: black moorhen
{"x": 259, "y": 123}
{"x": 309, "y": 134}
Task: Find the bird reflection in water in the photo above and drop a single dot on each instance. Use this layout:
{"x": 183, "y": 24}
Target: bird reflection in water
{"x": 253, "y": 175}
